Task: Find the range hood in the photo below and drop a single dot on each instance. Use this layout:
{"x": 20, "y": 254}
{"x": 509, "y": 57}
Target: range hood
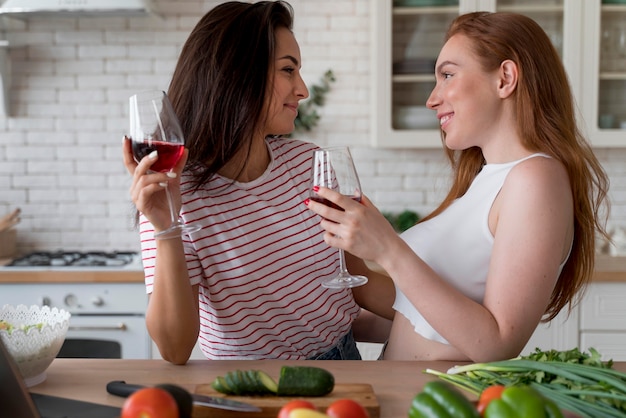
{"x": 93, "y": 8}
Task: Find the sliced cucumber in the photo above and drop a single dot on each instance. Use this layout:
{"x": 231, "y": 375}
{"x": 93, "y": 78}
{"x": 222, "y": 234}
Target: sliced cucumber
{"x": 245, "y": 382}
{"x": 220, "y": 385}
{"x": 294, "y": 381}
{"x": 305, "y": 381}
{"x": 233, "y": 383}
{"x": 266, "y": 381}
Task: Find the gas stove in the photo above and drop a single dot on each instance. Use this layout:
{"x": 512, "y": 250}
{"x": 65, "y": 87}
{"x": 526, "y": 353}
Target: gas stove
{"x": 75, "y": 259}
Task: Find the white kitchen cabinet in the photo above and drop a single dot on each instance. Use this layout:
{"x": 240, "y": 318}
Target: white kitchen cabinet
{"x": 407, "y": 39}
{"x": 599, "y": 321}
{"x": 603, "y": 320}
{"x": 602, "y": 95}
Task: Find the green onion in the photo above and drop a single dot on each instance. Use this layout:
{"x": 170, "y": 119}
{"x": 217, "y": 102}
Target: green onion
{"x": 575, "y": 381}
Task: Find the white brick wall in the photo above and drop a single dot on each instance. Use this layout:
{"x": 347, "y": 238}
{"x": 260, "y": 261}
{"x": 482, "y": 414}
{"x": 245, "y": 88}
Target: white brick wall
{"x": 60, "y": 157}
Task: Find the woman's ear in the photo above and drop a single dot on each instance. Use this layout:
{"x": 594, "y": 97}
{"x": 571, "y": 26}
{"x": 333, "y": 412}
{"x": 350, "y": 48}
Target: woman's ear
{"x": 507, "y": 78}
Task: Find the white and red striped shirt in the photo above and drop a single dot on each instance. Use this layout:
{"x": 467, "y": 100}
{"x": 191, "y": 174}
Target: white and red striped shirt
{"x": 259, "y": 260}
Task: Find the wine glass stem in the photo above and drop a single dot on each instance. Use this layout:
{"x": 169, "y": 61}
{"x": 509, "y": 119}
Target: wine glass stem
{"x": 343, "y": 271}
{"x": 170, "y": 202}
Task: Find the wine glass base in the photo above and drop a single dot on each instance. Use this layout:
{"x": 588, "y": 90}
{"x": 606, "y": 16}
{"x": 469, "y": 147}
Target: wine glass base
{"x": 344, "y": 282}
{"x": 176, "y": 231}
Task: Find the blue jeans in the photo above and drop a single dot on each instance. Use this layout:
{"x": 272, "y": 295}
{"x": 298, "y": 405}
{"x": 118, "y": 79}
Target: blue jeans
{"x": 345, "y": 349}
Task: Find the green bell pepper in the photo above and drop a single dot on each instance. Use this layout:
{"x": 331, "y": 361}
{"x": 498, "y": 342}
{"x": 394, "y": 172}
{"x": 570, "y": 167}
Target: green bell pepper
{"x": 522, "y": 402}
{"x": 439, "y": 399}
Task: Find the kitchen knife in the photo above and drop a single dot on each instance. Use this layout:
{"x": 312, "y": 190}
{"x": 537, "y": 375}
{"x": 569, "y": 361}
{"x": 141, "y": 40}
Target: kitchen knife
{"x": 121, "y": 388}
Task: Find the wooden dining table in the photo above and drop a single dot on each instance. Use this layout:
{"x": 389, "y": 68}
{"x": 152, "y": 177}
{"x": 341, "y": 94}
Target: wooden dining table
{"x": 394, "y": 383}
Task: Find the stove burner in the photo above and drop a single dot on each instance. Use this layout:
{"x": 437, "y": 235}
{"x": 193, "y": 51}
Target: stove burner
{"x": 75, "y": 259}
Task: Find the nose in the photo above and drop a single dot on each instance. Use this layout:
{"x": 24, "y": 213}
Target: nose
{"x": 302, "y": 91}
{"x": 433, "y": 100}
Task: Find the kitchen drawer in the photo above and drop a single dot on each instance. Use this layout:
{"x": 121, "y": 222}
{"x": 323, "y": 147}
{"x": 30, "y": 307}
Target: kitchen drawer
{"x": 612, "y": 345}
{"x": 603, "y": 308}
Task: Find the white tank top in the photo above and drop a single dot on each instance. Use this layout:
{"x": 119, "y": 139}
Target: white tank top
{"x": 457, "y": 243}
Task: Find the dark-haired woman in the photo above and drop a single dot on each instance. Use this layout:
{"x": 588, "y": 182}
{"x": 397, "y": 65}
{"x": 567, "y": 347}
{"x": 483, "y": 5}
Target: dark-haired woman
{"x": 247, "y": 285}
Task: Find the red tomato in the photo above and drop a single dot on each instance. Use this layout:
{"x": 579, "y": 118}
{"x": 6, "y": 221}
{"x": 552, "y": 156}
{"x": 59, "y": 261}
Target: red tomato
{"x": 487, "y": 395}
{"x": 150, "y": 403}
{"x": 346, "y": 408}
{"x": 291, "y": 405}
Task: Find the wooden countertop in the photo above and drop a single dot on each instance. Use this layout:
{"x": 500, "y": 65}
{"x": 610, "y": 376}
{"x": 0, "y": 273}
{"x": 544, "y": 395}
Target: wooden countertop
{"x": 610, "y": 269}
{"x": 69, "y": 275}
{"x": 82, "y": 276}
{"x": 395, "y": 383}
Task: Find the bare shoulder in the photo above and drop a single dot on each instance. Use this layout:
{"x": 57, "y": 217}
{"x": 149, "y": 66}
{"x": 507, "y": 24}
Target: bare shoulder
{"x": 536, "y": 188}
{"x": 539, "y": 174}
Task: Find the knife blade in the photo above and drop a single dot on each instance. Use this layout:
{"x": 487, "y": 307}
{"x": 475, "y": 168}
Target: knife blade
{"x": 123, "y": 389}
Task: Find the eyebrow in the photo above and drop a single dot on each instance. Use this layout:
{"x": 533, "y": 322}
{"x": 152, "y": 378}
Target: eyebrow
{"x": 290, "y": 58}
{"x": 444, "y": 64}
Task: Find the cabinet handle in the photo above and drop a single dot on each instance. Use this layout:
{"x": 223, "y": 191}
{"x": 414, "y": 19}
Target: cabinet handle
{"x": 119, "y": 327}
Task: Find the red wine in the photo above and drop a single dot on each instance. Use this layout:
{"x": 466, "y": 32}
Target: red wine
{"x": 169, "y": 153}
{"x": 331, "y": 204}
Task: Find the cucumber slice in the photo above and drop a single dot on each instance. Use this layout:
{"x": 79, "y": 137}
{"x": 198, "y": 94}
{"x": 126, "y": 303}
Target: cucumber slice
{"x": 305, "y": 381}
{"x": 251, "y": 380}
{"x": 266, "y": 382}
{"x": 233, "y": 382}
{"x": 249, "y": 384}
{"x": 220, "y": 385}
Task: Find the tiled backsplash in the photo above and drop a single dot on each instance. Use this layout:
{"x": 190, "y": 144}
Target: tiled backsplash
{"x": 60, "y": 150}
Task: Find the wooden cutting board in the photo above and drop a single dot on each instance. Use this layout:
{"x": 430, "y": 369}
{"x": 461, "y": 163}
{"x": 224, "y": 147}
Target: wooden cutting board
{"x": 360, "y": 392}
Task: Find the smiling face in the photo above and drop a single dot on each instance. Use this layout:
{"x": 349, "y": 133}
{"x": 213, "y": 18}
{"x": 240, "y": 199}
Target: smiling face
{"x": 468, "y": 100}
{"x": 288, "y": 86}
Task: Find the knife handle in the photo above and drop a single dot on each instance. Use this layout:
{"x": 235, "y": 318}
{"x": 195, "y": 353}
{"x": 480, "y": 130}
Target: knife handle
{"x": 121, "y": 388}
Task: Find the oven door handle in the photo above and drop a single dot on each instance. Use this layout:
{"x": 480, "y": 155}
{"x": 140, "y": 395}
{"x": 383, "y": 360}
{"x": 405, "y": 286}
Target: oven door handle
{"x": 119, "y": 327}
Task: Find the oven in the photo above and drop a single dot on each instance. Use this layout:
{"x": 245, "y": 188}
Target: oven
{"x": 104, "y": 292}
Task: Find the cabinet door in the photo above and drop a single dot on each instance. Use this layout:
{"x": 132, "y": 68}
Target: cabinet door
{"x": 603, "y": 308}
{"x": 603, "y": 320}
{"x": 603, "y": 95}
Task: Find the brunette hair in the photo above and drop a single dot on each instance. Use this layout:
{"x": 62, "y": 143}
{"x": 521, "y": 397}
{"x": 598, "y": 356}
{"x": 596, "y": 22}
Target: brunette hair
{"x": 221, "y": 80}
{"x": 546, "y": 122}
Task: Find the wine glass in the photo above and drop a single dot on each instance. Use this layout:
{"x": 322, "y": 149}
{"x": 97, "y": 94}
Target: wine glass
{"x": 333, "y": 168}
{"x": 155, "y": 127}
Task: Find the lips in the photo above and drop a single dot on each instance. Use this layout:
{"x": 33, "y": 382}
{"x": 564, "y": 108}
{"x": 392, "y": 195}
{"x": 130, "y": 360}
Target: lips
{"x": 444, "y": 119}
{"x": 291, "y": 106}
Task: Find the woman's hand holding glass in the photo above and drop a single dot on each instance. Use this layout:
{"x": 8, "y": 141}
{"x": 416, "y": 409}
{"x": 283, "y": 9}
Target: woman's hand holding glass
{"x": 156, "y": 133}
{"x": 359, "y": 229}
{"x": 147, "y": 190}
